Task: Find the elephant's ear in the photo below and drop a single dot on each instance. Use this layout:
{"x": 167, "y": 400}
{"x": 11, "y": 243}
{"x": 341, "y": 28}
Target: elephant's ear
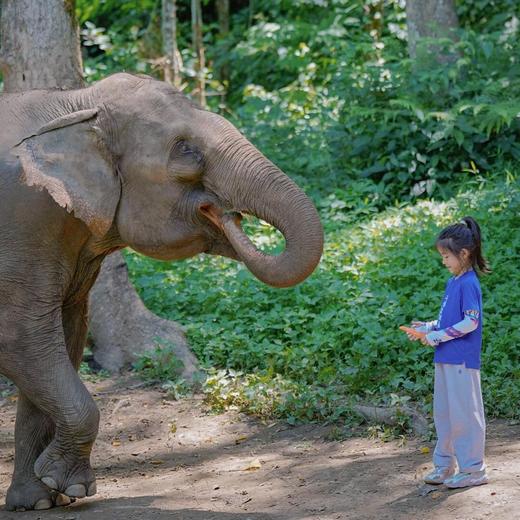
{"x": 68, "y": 158}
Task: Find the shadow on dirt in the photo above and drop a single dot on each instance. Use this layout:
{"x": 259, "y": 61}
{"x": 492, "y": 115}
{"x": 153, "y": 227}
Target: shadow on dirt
{"x": 129, "y": 508}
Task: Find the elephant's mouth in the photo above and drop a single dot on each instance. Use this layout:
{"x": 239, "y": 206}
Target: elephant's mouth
{"x": 219, "y": 244}
{"x": 239, "y": 246}
{"x": 229, "y": 223}
{"x": 216, "y": 216}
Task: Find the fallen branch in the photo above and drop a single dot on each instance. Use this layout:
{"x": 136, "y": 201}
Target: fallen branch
{"x": 390, "y": 415}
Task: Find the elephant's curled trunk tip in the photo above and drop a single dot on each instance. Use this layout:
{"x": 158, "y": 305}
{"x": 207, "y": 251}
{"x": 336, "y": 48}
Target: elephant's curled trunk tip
{"x": 285, "y": 269}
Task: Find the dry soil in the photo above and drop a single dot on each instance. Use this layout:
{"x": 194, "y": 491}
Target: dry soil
{"x": 160, "y": 459}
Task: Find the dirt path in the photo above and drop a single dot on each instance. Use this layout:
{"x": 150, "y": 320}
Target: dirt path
{"x": 158, "y": 459}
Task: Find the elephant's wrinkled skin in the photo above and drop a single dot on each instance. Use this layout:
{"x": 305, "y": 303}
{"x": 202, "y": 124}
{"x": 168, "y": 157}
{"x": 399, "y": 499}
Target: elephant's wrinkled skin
{"x": 126, "y": 162}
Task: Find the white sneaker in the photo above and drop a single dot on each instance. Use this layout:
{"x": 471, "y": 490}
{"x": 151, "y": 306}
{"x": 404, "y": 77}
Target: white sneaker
{"x": 461, "y": 480}
{"x": 439, "y": 475}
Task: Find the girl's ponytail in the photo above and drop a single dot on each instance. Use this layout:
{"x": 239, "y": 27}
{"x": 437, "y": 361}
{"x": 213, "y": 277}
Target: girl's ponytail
{"x": 477, "y": 257}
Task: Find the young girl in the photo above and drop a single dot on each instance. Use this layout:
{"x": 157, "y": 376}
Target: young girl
{"x": 457, "y": 338}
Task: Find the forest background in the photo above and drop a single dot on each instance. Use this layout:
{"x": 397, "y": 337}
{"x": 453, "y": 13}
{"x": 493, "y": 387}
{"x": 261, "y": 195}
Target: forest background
{"x": 390, "y": 148}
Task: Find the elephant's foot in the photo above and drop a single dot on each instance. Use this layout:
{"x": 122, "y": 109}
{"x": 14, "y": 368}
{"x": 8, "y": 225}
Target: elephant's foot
{"x": 29, "y": 493}
{"x": 65, "y": 472}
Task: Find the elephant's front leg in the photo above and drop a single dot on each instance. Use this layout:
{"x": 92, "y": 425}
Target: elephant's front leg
{"x": 33, "y": 432}
{"x": 65, "y": 464}
{"x": 54, "y": 395}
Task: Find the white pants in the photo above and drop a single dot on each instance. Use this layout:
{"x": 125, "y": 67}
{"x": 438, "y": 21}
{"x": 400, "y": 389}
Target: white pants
{"x": 458, "y": 413}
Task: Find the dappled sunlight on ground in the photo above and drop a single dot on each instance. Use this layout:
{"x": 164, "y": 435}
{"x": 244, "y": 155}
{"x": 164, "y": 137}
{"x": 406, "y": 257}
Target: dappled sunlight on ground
{"x": 166, "y": 459}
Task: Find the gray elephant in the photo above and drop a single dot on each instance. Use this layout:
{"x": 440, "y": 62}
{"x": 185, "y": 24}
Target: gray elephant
{"x": 128, "y": 161}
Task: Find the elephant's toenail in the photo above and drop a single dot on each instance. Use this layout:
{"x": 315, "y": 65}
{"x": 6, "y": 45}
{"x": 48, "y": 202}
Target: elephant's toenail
{"x": 20, "y": 509}
{"x": 92, "y": 489}
{"x": 76, "y": 490}
{"x": 43, "y": 503}
{"x": 49, "y": 482}
{"x": 62, "y": 500}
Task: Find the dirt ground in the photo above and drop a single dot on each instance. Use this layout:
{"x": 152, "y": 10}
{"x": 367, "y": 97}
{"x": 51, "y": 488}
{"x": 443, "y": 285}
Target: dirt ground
{"x": 159, "y": 459}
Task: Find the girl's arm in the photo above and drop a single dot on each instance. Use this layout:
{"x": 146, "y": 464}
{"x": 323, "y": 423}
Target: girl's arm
{"x": 425, "y": 326}
{"x": 467, "y": 325}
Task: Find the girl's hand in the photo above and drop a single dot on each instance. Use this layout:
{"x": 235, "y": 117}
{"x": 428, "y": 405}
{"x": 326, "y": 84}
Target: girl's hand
{"x": 428, "y": 341}
{"x": 415, "y": 325}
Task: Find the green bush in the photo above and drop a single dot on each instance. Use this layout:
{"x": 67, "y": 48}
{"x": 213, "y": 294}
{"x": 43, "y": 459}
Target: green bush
{"x": 330, "y": 80}
{"x": 371, "y": 114}
{"x": 326, "y": 90}
{"x": 487, "y": 15}
{"x": 159, "y": 364}
{"x": 419, "y": 129}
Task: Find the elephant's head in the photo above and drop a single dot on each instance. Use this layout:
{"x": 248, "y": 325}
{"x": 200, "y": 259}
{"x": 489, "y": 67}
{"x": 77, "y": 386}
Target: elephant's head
{"x": 135, "y": 156}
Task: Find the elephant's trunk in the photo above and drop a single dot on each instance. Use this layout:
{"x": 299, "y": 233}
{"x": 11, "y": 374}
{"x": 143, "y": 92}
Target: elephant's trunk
{"x": 254, "y": 185}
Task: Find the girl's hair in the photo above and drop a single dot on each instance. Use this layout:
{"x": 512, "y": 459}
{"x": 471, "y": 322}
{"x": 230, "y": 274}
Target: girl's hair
{"x": 465, "y": 235}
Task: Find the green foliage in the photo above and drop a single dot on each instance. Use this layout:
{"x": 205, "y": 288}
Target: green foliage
{"x": 86, "y": 371}
{"x": 329, "y": 79}
{"x": 159, "y": 363}
{"x": 487, "y": 15}
{"x": 110, "y": 51}
{"x": 308, "y": 352}
{"x": 364, "y": 111}
{"x": 88, "y": 374}
{"x": 419, "y": 129}
{"x": 177, "y": 389}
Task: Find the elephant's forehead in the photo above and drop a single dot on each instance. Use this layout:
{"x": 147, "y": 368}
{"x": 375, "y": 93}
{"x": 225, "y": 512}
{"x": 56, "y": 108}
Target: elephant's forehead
{"x": 159, "y": 111}
{"x": 216, "y": 129}
{"x": 209, "y": 131}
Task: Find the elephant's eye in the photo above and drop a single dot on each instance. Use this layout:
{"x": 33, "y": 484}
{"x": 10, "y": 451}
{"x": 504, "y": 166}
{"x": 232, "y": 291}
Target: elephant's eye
{"x": 186, "y": 161}
{"x": 185, "y": 148}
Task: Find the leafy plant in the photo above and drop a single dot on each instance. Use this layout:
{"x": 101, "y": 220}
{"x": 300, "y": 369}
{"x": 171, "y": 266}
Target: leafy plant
{"x": 160, "y": 364}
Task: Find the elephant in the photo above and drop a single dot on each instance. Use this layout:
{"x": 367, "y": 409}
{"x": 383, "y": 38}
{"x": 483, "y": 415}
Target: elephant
{"x": 128, "y": 161}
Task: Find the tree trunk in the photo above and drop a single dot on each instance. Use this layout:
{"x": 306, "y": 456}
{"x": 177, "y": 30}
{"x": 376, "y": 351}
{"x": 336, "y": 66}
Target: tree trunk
{"x": 223, "y": 24}
{"x": 173, "y": 59}
{"x": 40, "y": 49}
{"x": 430, "y": 19}
{"x": 223, "y": 17}
{"x": 129, "y": 328}
{"x": 40, "y": 45}
{"x": 198, "y": 47}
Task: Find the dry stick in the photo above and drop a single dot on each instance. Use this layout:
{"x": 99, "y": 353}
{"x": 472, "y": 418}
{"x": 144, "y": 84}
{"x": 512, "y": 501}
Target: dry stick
{"x": 389, "y": 415}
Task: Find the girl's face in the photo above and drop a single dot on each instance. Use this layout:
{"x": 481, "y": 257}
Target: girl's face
{"x": 455, "y": 264}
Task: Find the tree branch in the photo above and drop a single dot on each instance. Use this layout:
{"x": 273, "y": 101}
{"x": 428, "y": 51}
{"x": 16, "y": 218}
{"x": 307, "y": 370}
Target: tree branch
{"x": 389, "y": 415}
